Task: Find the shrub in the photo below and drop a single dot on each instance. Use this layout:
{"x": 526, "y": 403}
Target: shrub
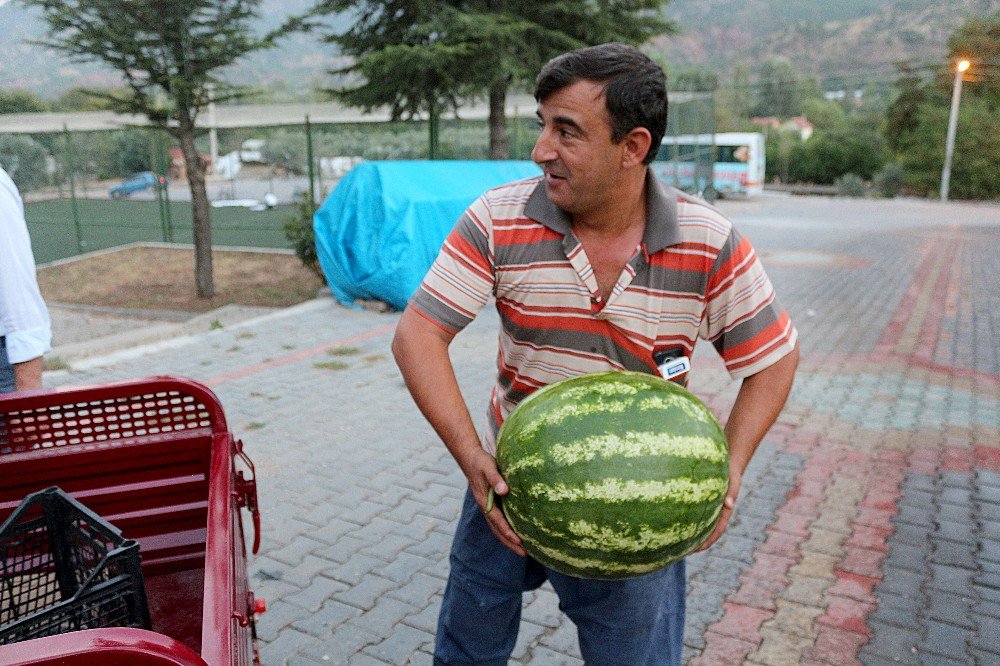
{"x": 888, "y": 182}
{"x": 20, "y": 101}
{"x": 777, "y": 149}
{"x": 299, "y": 230}
{"x": 975, "y": 169}
{"x": 827, "y": 156}
{"x": 132, "y": 152}
{"x": 24, "y": 161}
{"x": 850, "y": 185}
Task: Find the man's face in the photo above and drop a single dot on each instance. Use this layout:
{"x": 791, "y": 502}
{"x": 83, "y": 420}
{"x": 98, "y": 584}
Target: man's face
{"x": 581, "y": 164}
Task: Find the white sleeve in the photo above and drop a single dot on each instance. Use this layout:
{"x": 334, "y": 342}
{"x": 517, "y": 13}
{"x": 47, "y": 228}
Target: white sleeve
{"x": 24, "y": 319}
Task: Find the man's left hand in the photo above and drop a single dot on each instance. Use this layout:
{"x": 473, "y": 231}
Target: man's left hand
{"x": 728, "y": 504}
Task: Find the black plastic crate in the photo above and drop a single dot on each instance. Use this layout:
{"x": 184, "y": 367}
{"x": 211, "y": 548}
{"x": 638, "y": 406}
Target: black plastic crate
{"x": 63, "y": 568}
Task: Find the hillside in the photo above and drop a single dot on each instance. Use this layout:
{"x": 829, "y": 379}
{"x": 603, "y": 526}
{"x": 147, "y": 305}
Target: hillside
{"x": 292, "y": 69}
{"x": 846, "y": 40}
{"x": 840, "y": 42}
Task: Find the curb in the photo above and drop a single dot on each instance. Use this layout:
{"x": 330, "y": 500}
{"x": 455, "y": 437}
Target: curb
{"x": 160, "y": 245}
{"x": 131, "y": 344}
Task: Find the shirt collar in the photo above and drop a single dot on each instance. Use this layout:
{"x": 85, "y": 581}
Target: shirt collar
{"x": 661, "y": 214}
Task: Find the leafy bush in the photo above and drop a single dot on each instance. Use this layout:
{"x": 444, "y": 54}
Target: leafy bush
{"x": 132, "y": 151}
{"x": 827, "y": 156}
{"x": 850, "y": 185}
{"x": 824, "y": 114}
{"x": 20, "y": 101}
{"x": 24, "y": 161}
{"x": 777, "y": 150}
{"x": 889, "y": 181}
{"x": 975, "y": 167}
{"x": 299, "y": 230}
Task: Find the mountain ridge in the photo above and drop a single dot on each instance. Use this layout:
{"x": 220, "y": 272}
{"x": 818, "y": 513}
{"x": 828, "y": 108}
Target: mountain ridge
{"x": 849, "y": 39}
{"x": 855, "y": 40}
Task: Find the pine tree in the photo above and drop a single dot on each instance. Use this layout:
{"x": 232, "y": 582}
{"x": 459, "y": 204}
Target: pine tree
{"x": 419, "y": 56}
{"x": 169, "y": 53}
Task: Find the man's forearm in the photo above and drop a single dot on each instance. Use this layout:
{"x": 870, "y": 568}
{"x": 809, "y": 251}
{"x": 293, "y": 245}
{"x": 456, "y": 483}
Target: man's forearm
{"x": 421, "y": 352}
{"x": 757, "y": 407}
{"x": 28, "y": 375}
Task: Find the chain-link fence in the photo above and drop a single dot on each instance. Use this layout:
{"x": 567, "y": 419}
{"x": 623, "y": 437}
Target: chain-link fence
{"x": 92, "y": 190}
{"x": 689, "y": 145}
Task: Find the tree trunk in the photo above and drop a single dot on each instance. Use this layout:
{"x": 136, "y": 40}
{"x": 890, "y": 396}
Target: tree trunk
{"x": 499, "y": 145}
{"x": 200, "y": 209}
{"x": 433, "y": 128}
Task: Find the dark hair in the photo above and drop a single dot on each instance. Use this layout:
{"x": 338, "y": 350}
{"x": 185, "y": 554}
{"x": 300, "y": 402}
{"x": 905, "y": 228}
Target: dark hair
{"x": 635, "y": 90}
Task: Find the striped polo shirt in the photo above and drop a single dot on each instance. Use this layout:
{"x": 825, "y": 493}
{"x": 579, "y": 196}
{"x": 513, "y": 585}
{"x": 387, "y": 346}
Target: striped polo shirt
{"x": 692, "y": 276}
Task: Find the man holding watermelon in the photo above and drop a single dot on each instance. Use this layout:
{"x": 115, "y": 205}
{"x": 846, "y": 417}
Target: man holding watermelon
{"x": 594, "y": 266}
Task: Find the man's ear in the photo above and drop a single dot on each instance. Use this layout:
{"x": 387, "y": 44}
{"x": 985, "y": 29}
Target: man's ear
{"x": 636, "y": 143}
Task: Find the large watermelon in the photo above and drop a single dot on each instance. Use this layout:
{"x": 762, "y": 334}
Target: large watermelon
{"x": 612, "y": 475}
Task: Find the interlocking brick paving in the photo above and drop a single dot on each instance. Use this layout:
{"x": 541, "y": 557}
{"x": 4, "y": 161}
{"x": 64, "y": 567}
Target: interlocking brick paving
{"x": 868, "y": 527}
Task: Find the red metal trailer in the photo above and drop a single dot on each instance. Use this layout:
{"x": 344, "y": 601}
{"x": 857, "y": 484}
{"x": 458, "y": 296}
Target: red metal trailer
{"x": 155, "y": 458}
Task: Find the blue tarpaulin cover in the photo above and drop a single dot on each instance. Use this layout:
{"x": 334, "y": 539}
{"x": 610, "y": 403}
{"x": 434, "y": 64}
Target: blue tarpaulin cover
{"x": 382, "y": 226}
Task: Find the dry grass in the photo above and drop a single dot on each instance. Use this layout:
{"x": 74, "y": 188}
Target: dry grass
{"x": 163, "y": 279}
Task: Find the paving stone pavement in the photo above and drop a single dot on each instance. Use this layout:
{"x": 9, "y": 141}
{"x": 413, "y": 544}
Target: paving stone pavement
{"x": 868, "y": 529}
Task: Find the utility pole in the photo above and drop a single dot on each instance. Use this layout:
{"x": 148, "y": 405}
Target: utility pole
{"x": 956, "y": 95}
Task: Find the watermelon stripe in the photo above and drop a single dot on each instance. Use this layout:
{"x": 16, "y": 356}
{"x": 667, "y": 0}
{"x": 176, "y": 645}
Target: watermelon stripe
{"x": 592, "y": 535}
{"x": 635, "y": 444}
{"x": 632, "y": 409}
{"x": 597, "y": 567}
{"x": 583, "y": 535}
{"x": 599, "y": 470}
{"x": 684, "y": 491}
{"x": 657, "y": 515}
{"x": 524, "y": 463}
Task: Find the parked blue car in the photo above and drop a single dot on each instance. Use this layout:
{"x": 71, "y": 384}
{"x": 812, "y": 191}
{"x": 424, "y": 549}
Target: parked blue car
{"x": 137, "y": 182}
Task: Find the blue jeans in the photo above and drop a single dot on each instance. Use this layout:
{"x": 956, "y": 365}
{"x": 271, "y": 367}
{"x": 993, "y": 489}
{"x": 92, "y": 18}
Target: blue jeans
{"x": 633, "y": 622}
{"x": 6, "y": 369}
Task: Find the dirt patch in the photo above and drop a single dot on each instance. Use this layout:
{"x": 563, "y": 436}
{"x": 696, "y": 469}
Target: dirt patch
{"x": 145, "y": 278}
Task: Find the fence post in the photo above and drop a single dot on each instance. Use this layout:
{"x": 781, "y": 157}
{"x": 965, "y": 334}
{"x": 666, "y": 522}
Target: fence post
{"x": 677, "y": 149}
{"x": 154, "y": 165}
{"x": 309, "y": 156}
{"x": 712, "y": 193}
{"x": 164, "y": 165}
{"x": 434, "y": 139}
{"x": 72, "y": 190}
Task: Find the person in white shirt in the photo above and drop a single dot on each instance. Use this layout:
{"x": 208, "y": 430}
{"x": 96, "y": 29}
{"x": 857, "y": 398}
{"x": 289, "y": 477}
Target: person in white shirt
{"x": 25, "y": 328}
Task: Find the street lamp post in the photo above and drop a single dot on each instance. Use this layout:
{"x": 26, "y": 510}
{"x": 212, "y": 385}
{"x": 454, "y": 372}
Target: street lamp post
{"x": 949, "y": 148}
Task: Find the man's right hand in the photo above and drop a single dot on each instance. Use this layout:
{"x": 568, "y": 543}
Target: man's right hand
{"x": 481, "y": 470}
{"x": 421, "y": 351}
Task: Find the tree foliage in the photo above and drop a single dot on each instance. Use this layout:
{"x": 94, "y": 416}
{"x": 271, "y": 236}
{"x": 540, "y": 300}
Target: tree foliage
{"x": 978, "y": 40}
{"x": 20, "y": 101}
{"x": 419, "y": 56}
{"x": 779, "y": 90}
{"x": 828, "y": 155}
{"x": 118, "y": 154}
{"x": 824, "y": 114}
{"x": 24, "y": 160}
{"x": 298, "y": 227}
{"x": 170, "y": 54}
{"x": 917, "y": 120}
{"x": 88, "y": 99}
{"x": 975, "y": 170}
